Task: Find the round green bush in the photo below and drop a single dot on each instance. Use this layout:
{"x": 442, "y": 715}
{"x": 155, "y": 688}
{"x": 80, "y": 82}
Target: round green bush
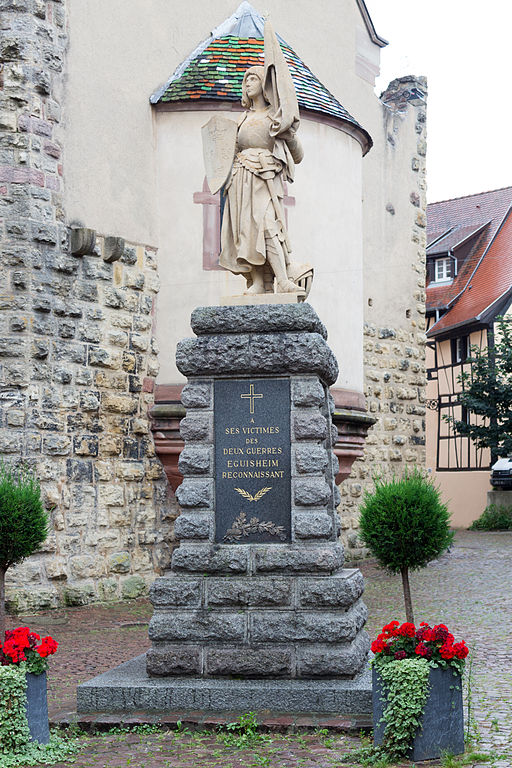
{"x": 404, "y": 523}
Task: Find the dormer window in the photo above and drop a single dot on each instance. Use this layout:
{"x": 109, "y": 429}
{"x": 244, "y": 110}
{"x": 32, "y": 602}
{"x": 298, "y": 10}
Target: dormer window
{"x": 443, "y": 270}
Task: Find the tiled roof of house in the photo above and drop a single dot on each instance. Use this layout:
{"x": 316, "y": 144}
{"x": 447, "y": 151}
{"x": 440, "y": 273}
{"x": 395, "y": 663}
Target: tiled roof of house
{"x": 216, "y": 68}
{"x": 484, "y": 223}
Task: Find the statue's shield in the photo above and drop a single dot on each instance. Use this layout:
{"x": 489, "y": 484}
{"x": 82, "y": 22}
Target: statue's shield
{"x": 219, "y": 142}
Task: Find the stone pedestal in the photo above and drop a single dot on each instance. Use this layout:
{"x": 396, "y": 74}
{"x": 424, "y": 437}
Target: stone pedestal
{"x": 257, "y": 611}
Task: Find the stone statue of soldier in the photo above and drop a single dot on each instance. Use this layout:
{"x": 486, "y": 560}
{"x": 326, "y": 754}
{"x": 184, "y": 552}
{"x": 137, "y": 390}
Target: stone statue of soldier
{"x": 251, "y": 160}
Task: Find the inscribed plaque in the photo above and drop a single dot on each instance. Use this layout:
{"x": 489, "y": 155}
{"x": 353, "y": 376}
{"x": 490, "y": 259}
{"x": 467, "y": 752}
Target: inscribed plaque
{"x": 252, "y": 461}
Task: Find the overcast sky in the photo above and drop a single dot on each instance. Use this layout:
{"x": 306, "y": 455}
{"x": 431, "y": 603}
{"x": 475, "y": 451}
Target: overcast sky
{"x": 464, "y": 47}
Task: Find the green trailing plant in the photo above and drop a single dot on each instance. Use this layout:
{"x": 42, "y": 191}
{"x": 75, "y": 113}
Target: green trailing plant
{"x": 14, "y": 732}
{"x": 493, "y": 518}
{"x": 16, "y": 750}
{"x": 487, "y": 392}
{"x": 405, "y": 525}
{"x": 23, "y": 522}
{"x": 406, "y": 689}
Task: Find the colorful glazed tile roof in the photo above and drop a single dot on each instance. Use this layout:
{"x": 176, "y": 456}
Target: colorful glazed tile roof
{"x": 483, "y": 223}
{"x": 216, "y": 68}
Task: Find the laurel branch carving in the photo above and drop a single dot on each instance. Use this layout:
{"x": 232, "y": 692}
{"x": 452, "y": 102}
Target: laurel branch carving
{"x": 257, "y": 496}
{"x": 241, "y": 528}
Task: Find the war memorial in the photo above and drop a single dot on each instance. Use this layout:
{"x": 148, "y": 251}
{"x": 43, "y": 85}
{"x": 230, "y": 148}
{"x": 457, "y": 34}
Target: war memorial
{"x": 256, "y": 610}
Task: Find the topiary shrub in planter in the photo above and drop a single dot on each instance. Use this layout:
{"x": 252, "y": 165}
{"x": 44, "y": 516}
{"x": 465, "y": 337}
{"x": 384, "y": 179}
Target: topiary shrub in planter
{"x": 405, "y": 525}
{"x": 417, "y": 691}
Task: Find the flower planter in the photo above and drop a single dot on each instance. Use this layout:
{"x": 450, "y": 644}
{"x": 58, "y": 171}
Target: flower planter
{"x": 442, "y": 724}
{"x": 37, "y": 708}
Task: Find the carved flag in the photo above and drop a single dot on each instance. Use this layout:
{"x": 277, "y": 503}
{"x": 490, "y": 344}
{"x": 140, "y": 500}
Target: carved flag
{"x": 219, "y": 143}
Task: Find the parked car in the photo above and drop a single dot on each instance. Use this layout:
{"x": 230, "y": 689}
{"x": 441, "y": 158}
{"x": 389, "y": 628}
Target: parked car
{"x": 501, "y": 474}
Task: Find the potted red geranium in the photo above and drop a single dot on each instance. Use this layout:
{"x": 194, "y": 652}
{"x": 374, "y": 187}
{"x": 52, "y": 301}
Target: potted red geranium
{"x": 417, "y": 691}
{"x": 28, "y": 650}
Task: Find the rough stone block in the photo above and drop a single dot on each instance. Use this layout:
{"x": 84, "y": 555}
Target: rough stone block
{"x": 133, "y": 587}
{"x": 307, "y": 392}
{"x": 194, "y": 526}
{"x": 308, "y": 627}
{"x": 309, "y": 425}
{"x": 172, "y": 591}
{"x": 340, "y": 591}
{"x": 257, "y": 353}
{"x": 119, "y": 562}
{"x": 78, "y": 594}
{"x": 195, "y": 493}
{"x": 312, "y": 559}
{"x": 313, "y": 492}
{"x": 248, "y": 592}
{"x": 197, "y": 395}
{"x": 346, "y": 659}
{"x": 261, "y": 319}
{"x": 206, "y": 559}
{"x": 171, "y": 660}
{"x": 197, "y": 427}
{"x": 194, "y": 460}
{"x": 197, "y": 626}
{"x": 311, "y": 459}
{"x": 249, "y": 662}
{"x": 312, "y": 525}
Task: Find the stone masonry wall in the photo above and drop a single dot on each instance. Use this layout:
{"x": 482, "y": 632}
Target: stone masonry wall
{"x": 394, "y": 352}
{"x": 77, "y": 357}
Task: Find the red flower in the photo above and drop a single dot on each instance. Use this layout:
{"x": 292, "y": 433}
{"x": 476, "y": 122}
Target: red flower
{"x": 407, "y": 629}
{"x": 399, "y": 655}
{"x": 461, "y": 650}
{"x": 47, "y": 648}
{"x": 441, "y": 633}
{"x": 378, "y": 645}
{"x": 447, "y": 651}
{"x": 423, "y": 650}
{"x": 391, "y": 629}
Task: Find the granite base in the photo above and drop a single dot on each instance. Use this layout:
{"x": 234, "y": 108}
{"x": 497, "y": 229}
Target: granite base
{"x": 128, "y": 688}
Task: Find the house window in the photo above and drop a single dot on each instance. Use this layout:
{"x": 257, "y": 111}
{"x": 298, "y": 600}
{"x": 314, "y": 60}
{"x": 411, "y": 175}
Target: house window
{"x": 443, "y": 270}
{"x": 460, "y": 349}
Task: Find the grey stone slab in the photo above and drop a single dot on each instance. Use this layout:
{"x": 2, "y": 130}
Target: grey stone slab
{"x": 197, "y": 427}
{"x": 307, "y": 392}
{"x": 298, "y": 559}
{"x": 309, "y": 425}
{"x": 208, "y": 559}
{"x": 312, "y": 525}
{"x": 248, "y": 592}
{"x": 306, "y": 626}
{"x": 128, "y": 688}
{"x": 195, "y": 493}
{"x": 311, "y": 492}
{"x": 257, "y": 354}
{"x": 257, "y": 319}
{"x": 173, "y": 660}
{"x": 172, "y": 591}
{"x": 195, "y": 460}
{"x": 311, "y": 459}
{"x": 249, "y": 662}
{"x": 194, "y": 525}
{"x": 197, "y": 395}
{"x": 338, "y": 591}
{"x": 197, "y": 626}
{"x": 328, "y": 661}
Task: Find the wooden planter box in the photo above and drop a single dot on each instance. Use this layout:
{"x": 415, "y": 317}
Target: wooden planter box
{"x": 442, "y": 724}
{"x": 37, "y": 708}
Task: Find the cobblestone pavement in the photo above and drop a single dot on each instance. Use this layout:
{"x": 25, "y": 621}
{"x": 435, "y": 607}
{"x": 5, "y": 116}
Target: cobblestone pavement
{"x": 469, "y": 589}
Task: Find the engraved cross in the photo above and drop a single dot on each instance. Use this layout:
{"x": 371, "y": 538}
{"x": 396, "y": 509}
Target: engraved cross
{"x": 252, "y": 397}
